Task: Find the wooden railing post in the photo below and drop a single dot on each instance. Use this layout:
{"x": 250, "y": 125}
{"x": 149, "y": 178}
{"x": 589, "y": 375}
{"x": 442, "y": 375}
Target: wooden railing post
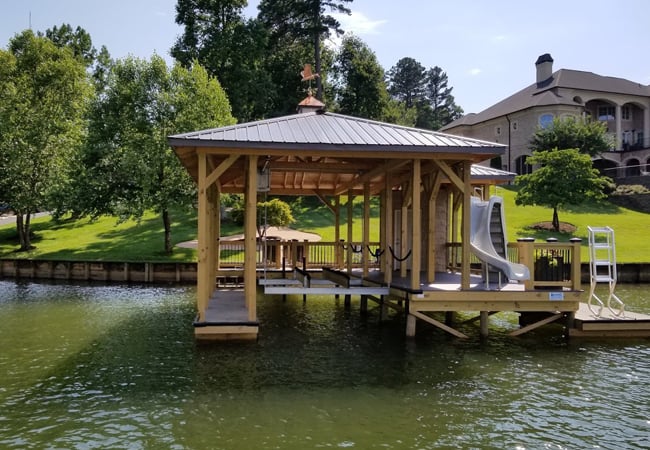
{"x": 526, "y": 257}
{"x": 576, "y": 275}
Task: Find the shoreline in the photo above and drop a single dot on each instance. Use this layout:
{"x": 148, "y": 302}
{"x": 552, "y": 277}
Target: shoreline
{"x": 185, "y": 272}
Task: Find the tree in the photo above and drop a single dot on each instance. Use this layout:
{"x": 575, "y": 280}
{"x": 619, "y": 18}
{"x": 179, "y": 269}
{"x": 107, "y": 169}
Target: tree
{"x": 130, "y": 167}
{"x": 303, "y": 19}
{"x": 79, "y": 41}
{"x": 406, "y": 81}
{"x": 271, "y": 213}
{"x": 43, "y": 97}
{"x": 360, "y": 87}
{"x": 438, "y": 108}
{"x": 586, "y": 135}
{"x": 231, "y": 48}
{"x": 565, "y": 177}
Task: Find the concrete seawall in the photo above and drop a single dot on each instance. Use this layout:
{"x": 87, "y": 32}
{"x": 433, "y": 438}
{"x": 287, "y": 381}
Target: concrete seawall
{"x": 185, "y": 272}
{"x": 140, "y": 272}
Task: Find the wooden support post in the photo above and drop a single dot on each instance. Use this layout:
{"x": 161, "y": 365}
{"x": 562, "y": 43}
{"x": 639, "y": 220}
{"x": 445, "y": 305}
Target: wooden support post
{"x": 484, "y": 323}
{"x": 389, "y": 223}
{"x": 466, "y": 224}
{"x": 410, "y": 325}
{"x": 347, "y": 302}
{"x": 576, "y": 282}
{"x": 382, "y": 229}
{"x": 350, "y": 235}
{"x": 363, "y": 304}
{"x": 337, "y": 231}
{"x": 431, "y": 228}
{"x": 404, "y": 232}
{"x": 203, "y": 270}
{"x": 250, "y": 239}
{"x": 366, "y": 228}
{"x": 450, "y": 318}
{"x": 416, "y": 225}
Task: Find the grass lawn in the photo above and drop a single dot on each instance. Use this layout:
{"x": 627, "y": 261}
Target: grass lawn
{"x": 105, "y": 239}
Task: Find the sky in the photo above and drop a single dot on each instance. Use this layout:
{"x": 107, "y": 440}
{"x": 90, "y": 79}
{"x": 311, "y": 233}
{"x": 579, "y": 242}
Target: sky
{"x": 487, "y": 48}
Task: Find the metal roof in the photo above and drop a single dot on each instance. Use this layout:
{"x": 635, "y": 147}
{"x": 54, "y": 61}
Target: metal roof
{"x": 489, "y": 173}
{"x": 322, "y": 130}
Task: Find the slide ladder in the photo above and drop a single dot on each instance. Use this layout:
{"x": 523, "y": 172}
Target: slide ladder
{"x": 602, "y": 269}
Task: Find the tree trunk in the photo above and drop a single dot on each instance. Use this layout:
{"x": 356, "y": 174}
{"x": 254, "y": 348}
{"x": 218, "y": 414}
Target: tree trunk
{"x": 319, "y": 84}
{"x": 168, "y": 231}
{"x": 556, "y": 220}
{"x": 22, "y": 226}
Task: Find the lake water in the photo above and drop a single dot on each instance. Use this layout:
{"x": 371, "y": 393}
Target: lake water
{"x": 91, "y": 366}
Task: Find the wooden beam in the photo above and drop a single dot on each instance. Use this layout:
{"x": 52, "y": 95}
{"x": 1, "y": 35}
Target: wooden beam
{"x": 367, "y": 176}
{"x": 532, "y": 326}
{"x": 455, "y": 179}
{"x": 220, "y": 170}
{"x": 438, "y": 324}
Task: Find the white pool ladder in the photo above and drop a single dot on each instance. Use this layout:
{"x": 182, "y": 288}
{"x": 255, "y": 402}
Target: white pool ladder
{"x": 602, "y": 269}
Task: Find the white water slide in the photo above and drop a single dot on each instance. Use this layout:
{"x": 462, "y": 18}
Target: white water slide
{"x": 488, "y": 229}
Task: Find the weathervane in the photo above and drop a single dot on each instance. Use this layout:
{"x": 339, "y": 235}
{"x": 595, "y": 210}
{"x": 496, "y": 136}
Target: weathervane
{"x": 308, "y": 75}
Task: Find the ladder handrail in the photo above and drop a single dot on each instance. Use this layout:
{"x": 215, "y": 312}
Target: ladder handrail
{"x": 597, "y": 246}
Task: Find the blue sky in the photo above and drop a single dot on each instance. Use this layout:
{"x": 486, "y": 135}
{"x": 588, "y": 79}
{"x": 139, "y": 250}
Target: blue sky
{"x": 487, "y": 48}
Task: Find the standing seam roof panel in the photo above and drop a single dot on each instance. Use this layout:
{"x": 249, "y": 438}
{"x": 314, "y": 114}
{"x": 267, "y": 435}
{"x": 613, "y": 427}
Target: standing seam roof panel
{"x": 353, "y": 131}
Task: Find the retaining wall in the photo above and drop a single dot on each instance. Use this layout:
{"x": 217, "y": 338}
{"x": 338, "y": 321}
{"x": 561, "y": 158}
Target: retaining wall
{"x": 159, "y": 272}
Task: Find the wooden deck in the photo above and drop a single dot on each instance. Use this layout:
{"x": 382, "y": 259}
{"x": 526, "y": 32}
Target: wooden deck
{"x": 226, "y": 318}
{"x": 630, "y": 324}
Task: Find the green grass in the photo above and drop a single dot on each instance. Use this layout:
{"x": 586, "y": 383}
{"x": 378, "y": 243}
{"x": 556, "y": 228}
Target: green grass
{"x": 103, "y": 239}
{"x": 631, "y": 228}
{"x": 106, "y": 240}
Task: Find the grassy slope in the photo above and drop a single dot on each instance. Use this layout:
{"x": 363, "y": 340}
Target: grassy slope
{"x": 631, "y": 228}
{"x": 107, "y": 240}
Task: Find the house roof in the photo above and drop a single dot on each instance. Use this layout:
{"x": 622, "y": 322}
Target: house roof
{"x": 547, "y": 93}
{"x": 327, "y": 153}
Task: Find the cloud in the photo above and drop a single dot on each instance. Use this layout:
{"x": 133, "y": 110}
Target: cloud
{"x": 499, "y": 38}
{"x": 359, "y": 24}
{"x": 474, "y": 71}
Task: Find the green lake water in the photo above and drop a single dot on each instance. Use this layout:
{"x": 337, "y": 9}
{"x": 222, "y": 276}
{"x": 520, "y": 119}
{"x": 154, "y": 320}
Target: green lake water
{"x": 116, "y": 366}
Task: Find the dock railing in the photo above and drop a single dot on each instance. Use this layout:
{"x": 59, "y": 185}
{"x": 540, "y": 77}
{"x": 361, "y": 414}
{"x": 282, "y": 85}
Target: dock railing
{"x": 294, "y": 253}
{"x": 552, "y": 264}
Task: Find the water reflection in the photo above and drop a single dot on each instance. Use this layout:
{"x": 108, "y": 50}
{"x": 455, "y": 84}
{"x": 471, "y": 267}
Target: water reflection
{"x": 88, "y": 366}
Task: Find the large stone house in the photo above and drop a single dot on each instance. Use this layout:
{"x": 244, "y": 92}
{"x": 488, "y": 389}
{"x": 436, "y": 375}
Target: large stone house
{"x": 622, "y": 104}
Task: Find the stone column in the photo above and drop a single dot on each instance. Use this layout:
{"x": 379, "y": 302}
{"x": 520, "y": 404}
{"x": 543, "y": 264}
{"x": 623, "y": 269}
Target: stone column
{"x": 619, "y": 134}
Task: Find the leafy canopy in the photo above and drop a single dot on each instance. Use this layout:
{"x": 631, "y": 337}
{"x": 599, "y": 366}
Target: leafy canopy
{"x": 565, "y": 177}
{"x": 588, "y": 136}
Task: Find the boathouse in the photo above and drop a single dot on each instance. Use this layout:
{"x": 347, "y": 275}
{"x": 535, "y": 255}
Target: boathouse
{"x": 423, "y": 263}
